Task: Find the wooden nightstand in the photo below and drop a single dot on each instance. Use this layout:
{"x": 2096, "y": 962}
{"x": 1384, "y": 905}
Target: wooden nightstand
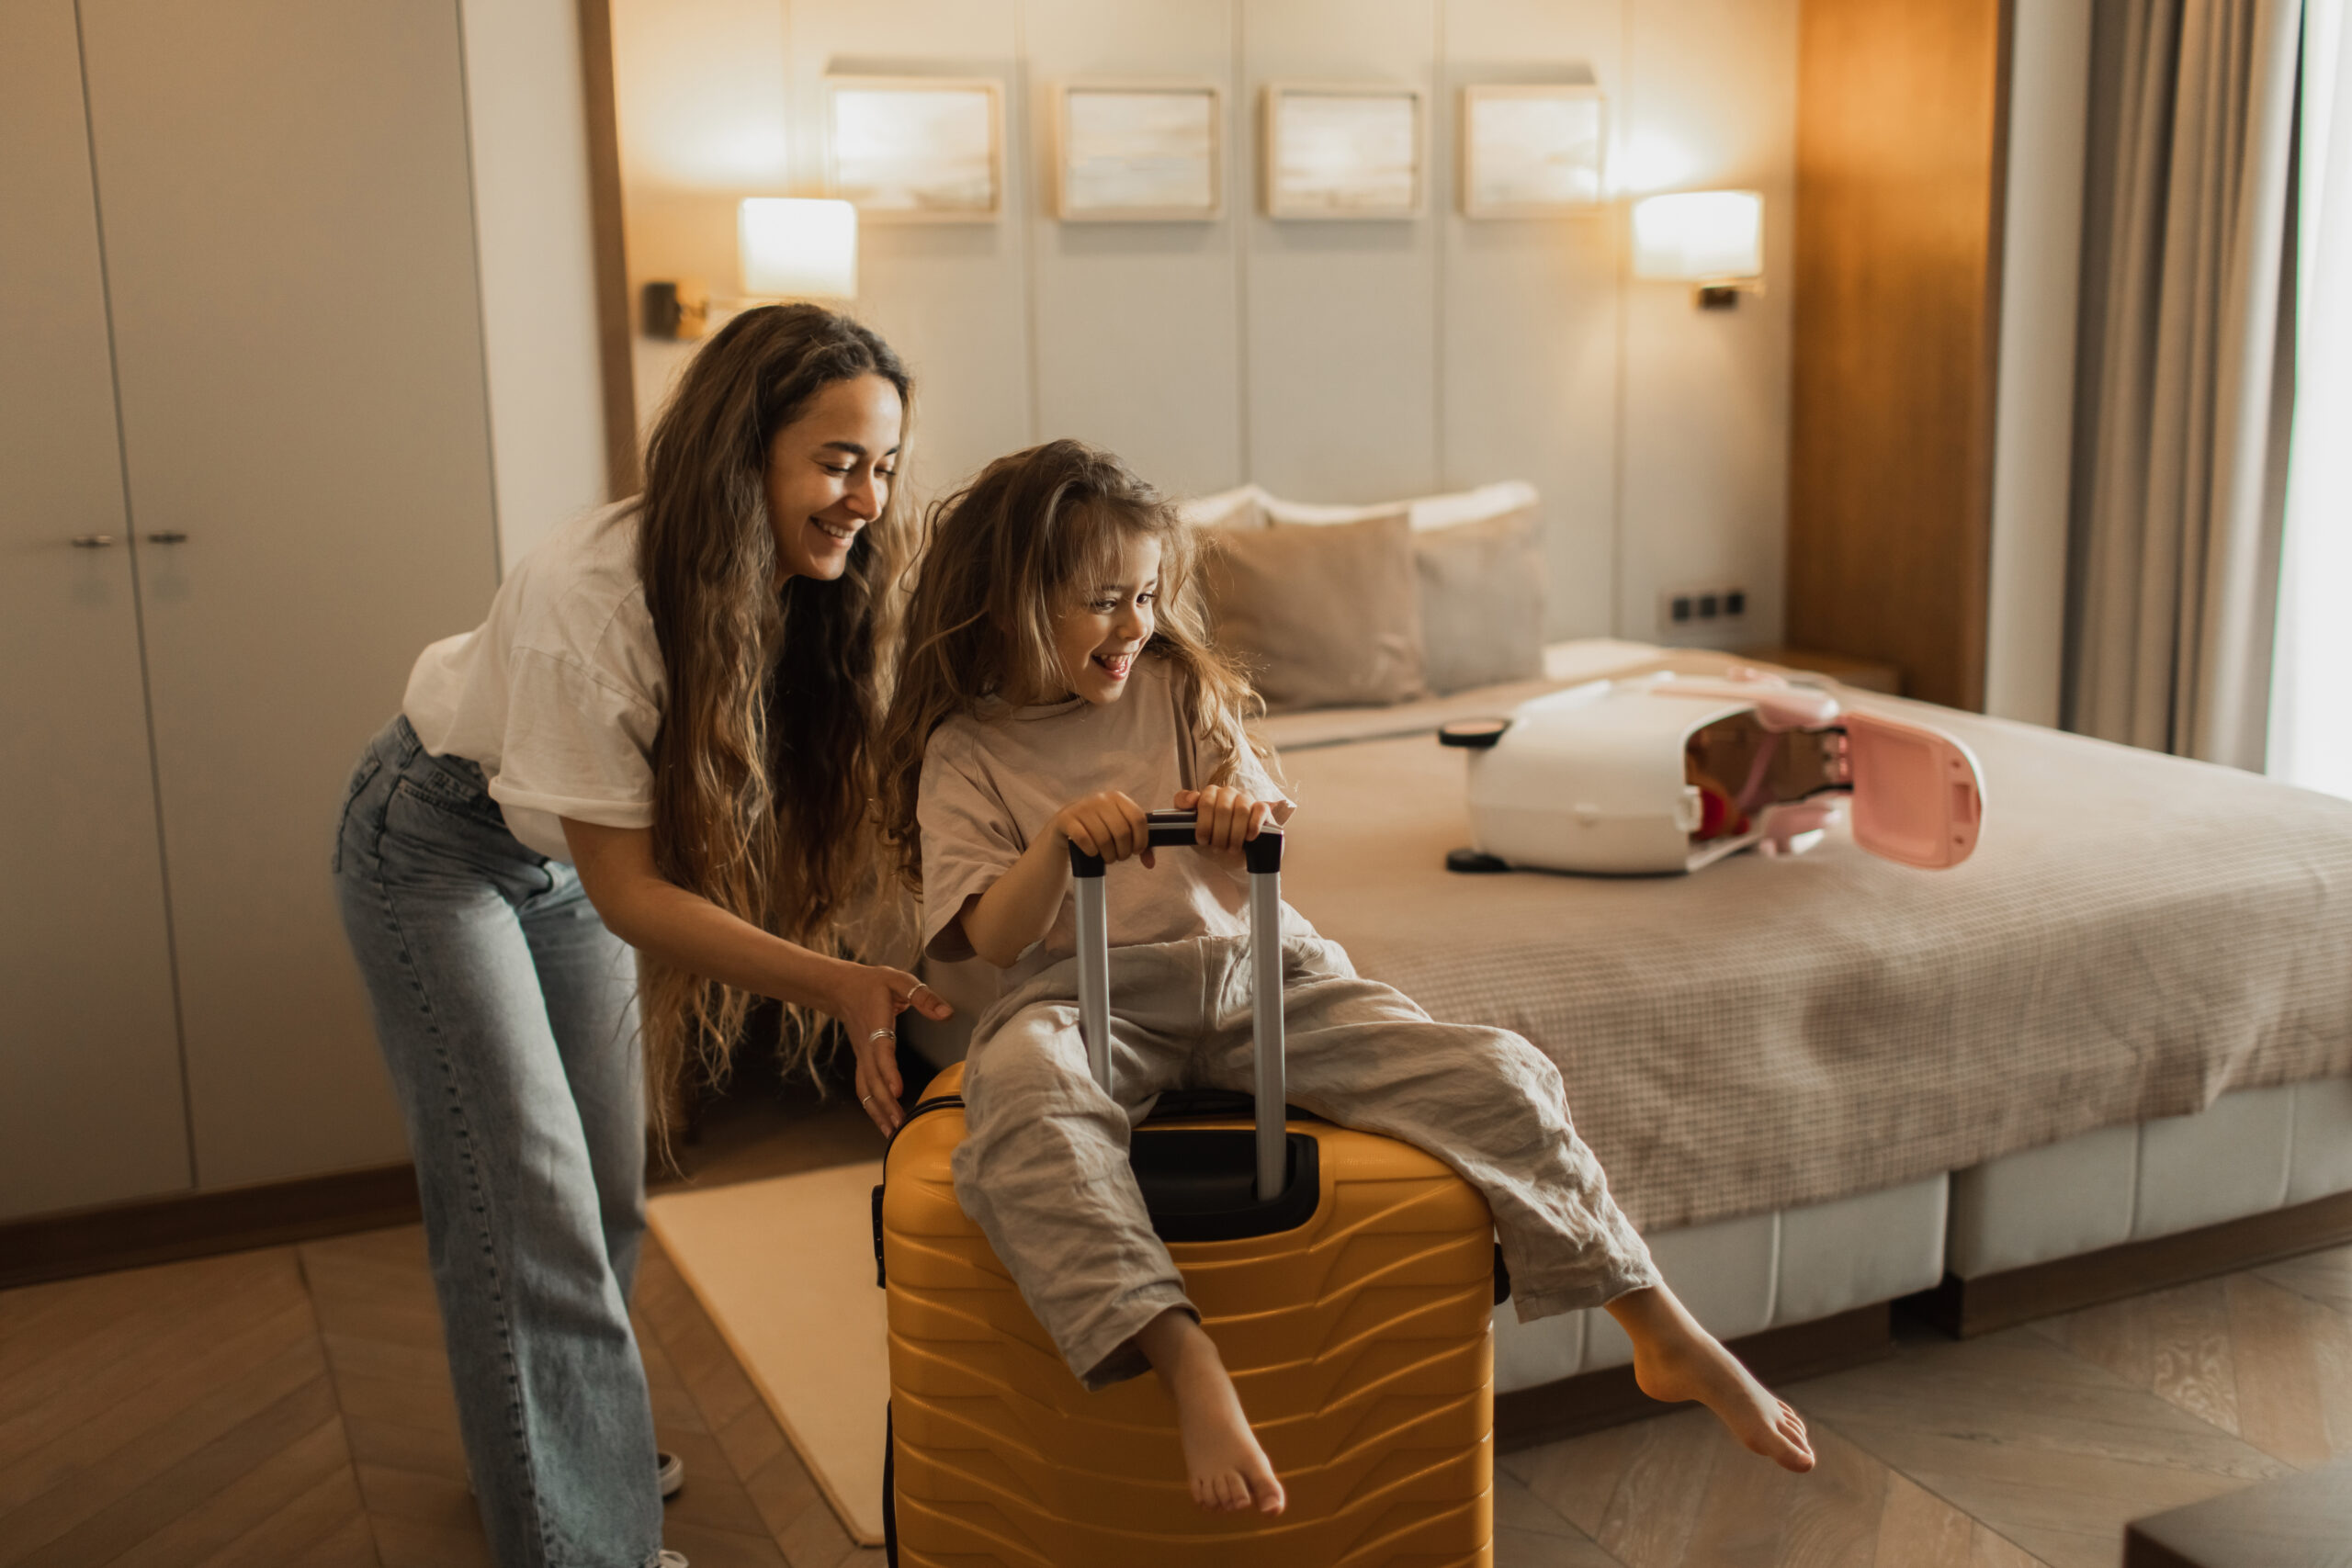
{"x": 1866, "y": 674}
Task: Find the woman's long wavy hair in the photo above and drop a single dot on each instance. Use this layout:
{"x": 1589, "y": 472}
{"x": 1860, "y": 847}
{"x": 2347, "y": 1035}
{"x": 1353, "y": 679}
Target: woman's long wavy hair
{"x": 1004, "y": 554}
{"x": 764, "y": 775}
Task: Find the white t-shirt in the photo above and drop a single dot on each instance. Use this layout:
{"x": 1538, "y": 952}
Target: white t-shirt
{"x": 991, "y": 785}
{"x": 559, "y": 694}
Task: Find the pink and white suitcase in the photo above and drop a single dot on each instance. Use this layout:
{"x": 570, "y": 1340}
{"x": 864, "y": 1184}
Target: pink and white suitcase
{"x": 1670, "y": 773}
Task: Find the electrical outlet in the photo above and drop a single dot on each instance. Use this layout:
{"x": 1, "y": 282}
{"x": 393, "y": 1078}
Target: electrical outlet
{"x": 1701, "y": 614}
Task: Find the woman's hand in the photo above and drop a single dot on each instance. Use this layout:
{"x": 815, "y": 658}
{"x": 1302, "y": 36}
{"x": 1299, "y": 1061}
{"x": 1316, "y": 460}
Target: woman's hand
{"x": 1106, "y": 823}
{"x": 1225, "y": 819}
{"x": 866, "y": 1001}
{"x": 654, "y": 915}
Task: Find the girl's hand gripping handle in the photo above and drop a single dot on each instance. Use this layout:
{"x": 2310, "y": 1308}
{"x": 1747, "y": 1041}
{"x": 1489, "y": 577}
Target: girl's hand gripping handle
{"x": 1225, "y": 819}
{"x": 1107, "y": 825}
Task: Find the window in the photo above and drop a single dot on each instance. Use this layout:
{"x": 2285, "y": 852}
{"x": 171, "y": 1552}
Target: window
{"x": 2310, "y": 697}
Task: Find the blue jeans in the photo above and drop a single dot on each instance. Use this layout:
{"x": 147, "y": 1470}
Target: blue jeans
{"x": 507, "y": 1015}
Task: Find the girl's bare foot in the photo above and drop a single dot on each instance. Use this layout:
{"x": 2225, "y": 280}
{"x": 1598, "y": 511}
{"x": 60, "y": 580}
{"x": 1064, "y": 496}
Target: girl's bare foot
{"x": 1229, "y": 1472}
{"x": 1675, "y": 1360}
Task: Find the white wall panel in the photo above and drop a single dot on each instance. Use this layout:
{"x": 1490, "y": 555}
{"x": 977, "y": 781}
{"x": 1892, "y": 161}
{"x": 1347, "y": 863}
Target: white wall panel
{"x": 1528, "y": 387}
{"x": 698, "y": 95}
{"x": 1340, "y": 317}
{"x": 1711, "y": 104}
{"x": 1138, "y": 324}
{"x": 952, "y": 298}
{"x": 1328, "y": 361}
{"x": 2041, "y": 236}
{"x": 526, "y": 130}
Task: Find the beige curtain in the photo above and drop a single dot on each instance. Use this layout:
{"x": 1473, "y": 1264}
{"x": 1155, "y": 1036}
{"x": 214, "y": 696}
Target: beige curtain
{"x": 2186, "y": 366}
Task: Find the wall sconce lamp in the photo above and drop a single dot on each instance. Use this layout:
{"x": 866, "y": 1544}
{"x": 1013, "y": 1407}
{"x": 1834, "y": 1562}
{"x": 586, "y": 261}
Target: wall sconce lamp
{"x": 793, "y": 248}
{"x": 1712, "y": 238}
{"x": 788, "y": 248}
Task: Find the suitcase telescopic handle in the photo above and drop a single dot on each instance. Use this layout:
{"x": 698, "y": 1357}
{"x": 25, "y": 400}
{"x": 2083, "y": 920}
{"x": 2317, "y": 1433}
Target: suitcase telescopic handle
{"x": 1263, "y": 854}
{"x": 1166, "y": 828}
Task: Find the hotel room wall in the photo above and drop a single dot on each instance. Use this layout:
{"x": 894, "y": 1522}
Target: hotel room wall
{"x": 537, "y": 266}
{"x": 1340, "y": 361}
{"x": 2050, "y": 49}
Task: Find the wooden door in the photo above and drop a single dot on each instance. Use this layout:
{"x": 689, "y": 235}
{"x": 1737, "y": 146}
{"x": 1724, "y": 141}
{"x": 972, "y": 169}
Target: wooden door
{"x": 288, "y": 235}
{"x": 91, "y": 1102}
{"x": 1900, "y": 117}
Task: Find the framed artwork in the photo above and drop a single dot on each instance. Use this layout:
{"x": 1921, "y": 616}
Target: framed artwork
{"x": 1139, "y": 151}
{"x": 1531, "y": 151}
{"x": 916, "y": 149}
{"x": 1340, "y": 150}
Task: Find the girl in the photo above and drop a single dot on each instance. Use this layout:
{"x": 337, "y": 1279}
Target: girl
{"x": 1056, "y": 683}
{"x": 661, "y": 738}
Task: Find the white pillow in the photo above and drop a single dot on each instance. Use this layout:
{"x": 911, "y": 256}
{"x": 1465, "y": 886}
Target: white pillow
{"x": 1481, "y": 505}
{"x": 1422, "y": 513}
{"x": 1242, "y": 507}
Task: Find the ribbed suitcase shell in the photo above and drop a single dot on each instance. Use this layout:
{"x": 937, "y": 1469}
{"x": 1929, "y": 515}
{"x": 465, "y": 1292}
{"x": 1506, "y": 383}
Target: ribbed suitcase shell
{"x": 1360, "y": 1343}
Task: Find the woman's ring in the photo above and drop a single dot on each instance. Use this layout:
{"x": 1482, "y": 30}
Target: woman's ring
{"x": 865, "y": 1100}
{"x": 882, "y": 1034}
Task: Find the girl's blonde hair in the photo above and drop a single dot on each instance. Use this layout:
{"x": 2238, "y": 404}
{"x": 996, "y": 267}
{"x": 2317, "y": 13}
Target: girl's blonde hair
{"x": 763, "y": 766}
{"x": 1004, "y": 554}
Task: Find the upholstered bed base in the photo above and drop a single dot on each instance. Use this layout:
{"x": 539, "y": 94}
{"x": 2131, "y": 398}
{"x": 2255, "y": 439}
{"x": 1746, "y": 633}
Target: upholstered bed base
{"x": 2262, "y": 1173}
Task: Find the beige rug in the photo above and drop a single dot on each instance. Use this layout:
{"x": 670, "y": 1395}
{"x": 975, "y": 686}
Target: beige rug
{"x": 784, "y": 1267}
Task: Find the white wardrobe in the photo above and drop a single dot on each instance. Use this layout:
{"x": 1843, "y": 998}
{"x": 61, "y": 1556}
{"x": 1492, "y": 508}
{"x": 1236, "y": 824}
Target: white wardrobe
{"x": 252, "y": 390}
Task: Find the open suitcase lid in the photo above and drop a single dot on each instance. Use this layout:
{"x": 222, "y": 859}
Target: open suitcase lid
{"x": 1918, "y": 799}
{"x": 1915, "y": 793}
{"x": 1591, "y": 778}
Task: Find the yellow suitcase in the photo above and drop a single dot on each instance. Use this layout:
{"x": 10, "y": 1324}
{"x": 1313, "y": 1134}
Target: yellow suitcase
{"x": 1347, "y": 1278}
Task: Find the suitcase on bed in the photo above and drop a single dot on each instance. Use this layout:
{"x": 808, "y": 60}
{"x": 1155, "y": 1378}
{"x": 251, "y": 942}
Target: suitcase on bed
{"x": 1348, "y": 1281}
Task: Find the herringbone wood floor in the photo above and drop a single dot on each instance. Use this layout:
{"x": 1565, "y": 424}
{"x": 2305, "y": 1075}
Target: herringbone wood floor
{"x": 291, "y": 1407}
{"x": 2031, "y": 1445}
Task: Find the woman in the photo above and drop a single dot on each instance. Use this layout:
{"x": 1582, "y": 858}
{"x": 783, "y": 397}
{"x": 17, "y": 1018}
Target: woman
{"x": 660, "y": 739}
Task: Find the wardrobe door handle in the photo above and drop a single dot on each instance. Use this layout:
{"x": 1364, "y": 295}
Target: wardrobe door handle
{"x": 168, "y": 537}
{"x": 93, "y": 541}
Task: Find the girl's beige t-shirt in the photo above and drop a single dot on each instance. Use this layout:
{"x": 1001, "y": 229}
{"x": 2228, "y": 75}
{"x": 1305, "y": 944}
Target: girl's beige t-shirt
{"x": 558, "y": 694}
{"x": 992, "y": 785}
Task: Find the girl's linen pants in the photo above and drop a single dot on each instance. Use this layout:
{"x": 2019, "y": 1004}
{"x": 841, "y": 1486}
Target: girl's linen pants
{"x": 506, "y": 1014}
{"x": 1043, "y": 1167}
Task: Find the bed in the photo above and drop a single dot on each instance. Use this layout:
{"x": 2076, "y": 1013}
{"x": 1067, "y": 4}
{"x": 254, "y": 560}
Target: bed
{"x": 1822, "y": 1084}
